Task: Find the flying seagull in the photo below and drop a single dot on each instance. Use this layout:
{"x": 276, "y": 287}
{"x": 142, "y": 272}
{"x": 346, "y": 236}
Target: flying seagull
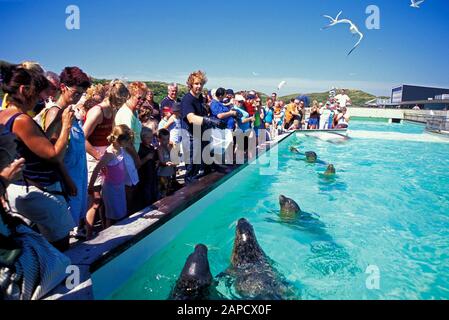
{"x": 352, "y": 27}
{"x": 255, "y": 74}
{"x": 415, "y": 4}
{"x": 281, "y": 84}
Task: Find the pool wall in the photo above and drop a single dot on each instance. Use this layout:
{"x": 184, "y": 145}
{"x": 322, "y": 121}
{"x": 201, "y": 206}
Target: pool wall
{"x": 378, "y": 113}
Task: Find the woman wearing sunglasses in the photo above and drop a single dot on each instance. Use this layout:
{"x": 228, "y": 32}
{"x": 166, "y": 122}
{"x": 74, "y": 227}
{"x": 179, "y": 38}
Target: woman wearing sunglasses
{"x": 38, "y": 193}
{"x": 73, "y": 84}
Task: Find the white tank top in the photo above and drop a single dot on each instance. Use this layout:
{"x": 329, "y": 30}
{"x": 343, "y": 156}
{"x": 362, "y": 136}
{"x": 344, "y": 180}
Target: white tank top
{"x": 342, "y": 120}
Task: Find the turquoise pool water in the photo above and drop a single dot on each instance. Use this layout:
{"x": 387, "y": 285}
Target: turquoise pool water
{"x": 387, "y": 208}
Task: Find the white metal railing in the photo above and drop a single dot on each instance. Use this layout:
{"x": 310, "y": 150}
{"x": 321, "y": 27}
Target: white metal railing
{"x": 437, "y": 123}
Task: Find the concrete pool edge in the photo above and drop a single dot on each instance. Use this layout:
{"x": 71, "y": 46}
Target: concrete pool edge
{"x": 91, "y": 255}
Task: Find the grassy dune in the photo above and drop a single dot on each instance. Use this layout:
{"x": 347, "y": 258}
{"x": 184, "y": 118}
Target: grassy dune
{"x": 358, "y": 97}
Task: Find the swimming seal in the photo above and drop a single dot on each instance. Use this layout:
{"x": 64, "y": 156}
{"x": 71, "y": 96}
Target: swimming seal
{"x": 195, "y": 279}
{"x": 311, "y": 156}
{"x": 330, "y": 171}
{"x": 294, "y": 149}
{"x": 289, "y": 209}
{"x": 255, "y": 277}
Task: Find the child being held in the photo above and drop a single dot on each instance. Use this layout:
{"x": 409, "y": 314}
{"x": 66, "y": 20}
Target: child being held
{"x": 175, "y": 125}
{"x": 166, "y": 114}
{"x": 177, "y": 128}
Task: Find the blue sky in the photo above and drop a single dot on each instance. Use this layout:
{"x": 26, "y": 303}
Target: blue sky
{"x": 240, "y": 44}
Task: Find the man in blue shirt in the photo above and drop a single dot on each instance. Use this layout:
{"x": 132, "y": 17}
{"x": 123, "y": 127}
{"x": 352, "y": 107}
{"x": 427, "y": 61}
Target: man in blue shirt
{"x": 223, "y": 113}
{"x": 171, "y": 98}
{"x": 220, "y": 111}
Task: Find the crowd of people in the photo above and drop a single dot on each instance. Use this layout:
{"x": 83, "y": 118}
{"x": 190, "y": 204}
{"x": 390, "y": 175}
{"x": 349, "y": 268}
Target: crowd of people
{"x": 100, "y": 152}
{"x": 331, "y": 114}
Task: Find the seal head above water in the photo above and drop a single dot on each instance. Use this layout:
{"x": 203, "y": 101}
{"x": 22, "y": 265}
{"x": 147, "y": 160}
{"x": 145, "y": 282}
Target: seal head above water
{"x": 288, "y": 208}
{"x": 330, "y": 171}
{"x": 311, "y": 156}
{"x": 195, "y": 279}
{"x": 252, "y": 270}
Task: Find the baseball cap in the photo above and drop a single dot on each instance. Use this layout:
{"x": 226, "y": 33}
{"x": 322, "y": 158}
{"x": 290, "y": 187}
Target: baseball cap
{"x": 239, "y": 97}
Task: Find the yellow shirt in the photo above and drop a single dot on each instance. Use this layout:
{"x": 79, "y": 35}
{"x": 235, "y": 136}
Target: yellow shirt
{"x": 4, "y": 105}
{"x": 291, "y": 107}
